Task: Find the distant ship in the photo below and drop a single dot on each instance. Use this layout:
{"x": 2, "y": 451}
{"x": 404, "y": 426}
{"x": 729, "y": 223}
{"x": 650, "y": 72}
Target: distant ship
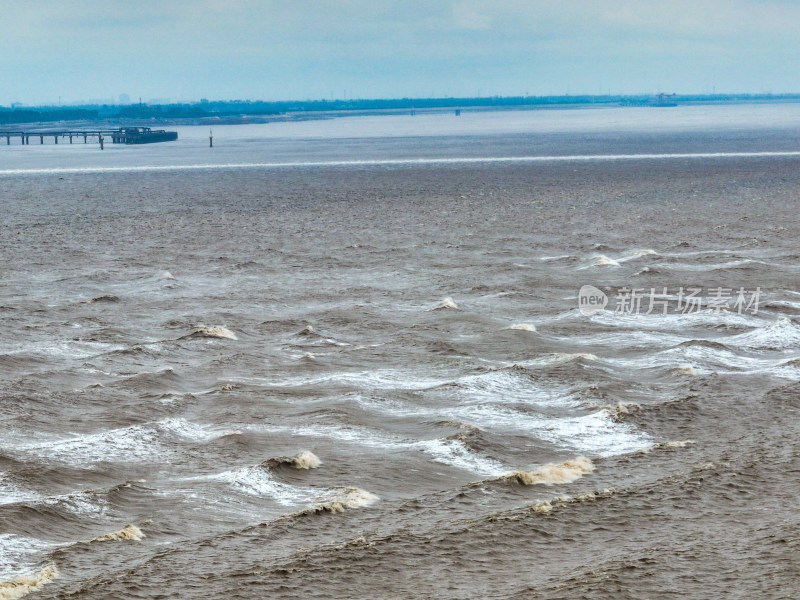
{"x": 142, "y": 135}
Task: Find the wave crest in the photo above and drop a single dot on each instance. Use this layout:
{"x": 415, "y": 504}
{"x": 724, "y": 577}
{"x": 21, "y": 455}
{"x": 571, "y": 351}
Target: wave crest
{"x": 25, "y": 584}
{"x": 303, "y": 460}
{"x": 552, "y": 473}
{"x": 306, "y": 460}
{"x": 350, "y": 497}
{"x": 129, "y": 532}
{"x": 446, "y": 303}
{"x": 217, "y": 331}
{"x": 523, "y": 327}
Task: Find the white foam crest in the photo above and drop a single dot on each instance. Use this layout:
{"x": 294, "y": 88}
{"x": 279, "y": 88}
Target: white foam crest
{"x": 601, "y": 260}
{"x": 79, "y": 503}
{"x": 555, "y": 358}
{"x": 785, "y": 371}
{"x": 595, "y": 433}
{"x": 483, "y": 401}
{"x": 456, "y": 454}
{"x": 691, "y": 253}
{"x": 522, "y": 327}
{"x": 75, "y": 349}
{"x": 781, "y": 334}
{"x": 704, "y": 360}
{"x": 193, "y": 431}
{"x": 23, "y": 585}
{"x": 637, "y": 254}
{"x": 19, "y": 555}
{"x": 551, "y": 473}
{"x": 631, "y": 339}
{"x": 670, "y": 322}
{"x": 503, "y": 386}
{"x": 128, "y": 444}
{"x": 216, "y": 331}
{"x": 396, "y": 407}
{"x": 129, "y": 532}
{"x": 387, "y": 379}
{"x": 700, "y": 358}
{"x": 306, "y": 460}
{"x": 257, "y": 481}
{"x": 555, "y": 258}
{"x": 481, "y": 396}
{"x": 732, "y": 264}
{"x": 452, "y": 452}
{"x": 11, "y": 493}
{"x": 338, "y": 500}
{"x": 446, "y": 303}
{"x": 135, "y": 443}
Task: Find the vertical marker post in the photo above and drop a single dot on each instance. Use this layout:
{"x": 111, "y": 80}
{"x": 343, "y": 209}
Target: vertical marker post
{"x": 210, "y": 138}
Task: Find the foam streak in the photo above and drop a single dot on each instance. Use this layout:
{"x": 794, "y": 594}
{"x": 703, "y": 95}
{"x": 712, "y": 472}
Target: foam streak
{"x": 404, "y": 162}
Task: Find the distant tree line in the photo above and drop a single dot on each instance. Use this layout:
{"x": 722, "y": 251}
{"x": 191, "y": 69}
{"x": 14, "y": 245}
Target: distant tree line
{"x": 41, "y": 116}
{"x": 170, "y": 111}
{"x": 250, "y": 108}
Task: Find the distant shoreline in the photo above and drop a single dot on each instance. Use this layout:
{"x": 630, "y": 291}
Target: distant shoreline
{"x": 237, "y": 112}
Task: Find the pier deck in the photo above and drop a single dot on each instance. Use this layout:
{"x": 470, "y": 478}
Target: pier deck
{"x": 123, "y": 135}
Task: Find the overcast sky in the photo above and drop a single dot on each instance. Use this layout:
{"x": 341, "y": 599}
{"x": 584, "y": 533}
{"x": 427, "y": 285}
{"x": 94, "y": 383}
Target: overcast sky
{"x": 185, "y": 50}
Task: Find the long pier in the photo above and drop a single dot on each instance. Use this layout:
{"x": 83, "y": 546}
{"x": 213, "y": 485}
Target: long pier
{"x": 123, "y": 135}
{"x": 25, "y": 136}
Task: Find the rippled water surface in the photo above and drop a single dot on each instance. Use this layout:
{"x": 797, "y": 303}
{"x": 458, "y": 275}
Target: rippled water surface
{"x": 345, "y": 359}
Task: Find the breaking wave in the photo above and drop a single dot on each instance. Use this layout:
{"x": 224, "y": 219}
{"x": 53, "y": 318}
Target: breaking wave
{"x": 523, "y": 327}
{"x": 303, "y": 460}
{"x": 778, "y": 335}
{"x": 446, "y": 303}
{"x": 216, "y": 331}
{"x": 258, "y": 481}
{"x": 455, "y": 453}
{"x": 601, "y": 260}
{"x": 25, "y": 584}
{"x": 129, "y": 532}
{"x": 10, "y": 493}
{"x": 127, "y": 444}
{"x": 341, "y": 499}
{"x": 552, "y": 473}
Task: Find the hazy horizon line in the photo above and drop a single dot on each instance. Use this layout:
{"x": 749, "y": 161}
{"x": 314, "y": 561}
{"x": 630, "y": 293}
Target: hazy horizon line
{"x": 568, "y": 95}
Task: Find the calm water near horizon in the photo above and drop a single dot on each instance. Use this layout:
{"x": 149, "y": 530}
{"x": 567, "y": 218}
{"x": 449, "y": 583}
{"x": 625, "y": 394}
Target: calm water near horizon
{"x": 346, "y": 358}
